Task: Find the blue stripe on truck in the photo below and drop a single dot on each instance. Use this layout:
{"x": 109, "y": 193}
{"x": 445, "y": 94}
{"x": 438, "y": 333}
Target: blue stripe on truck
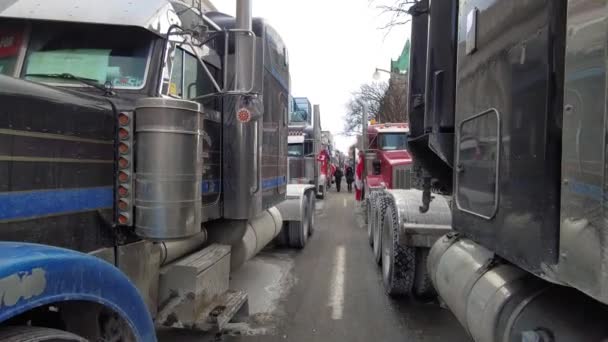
{"x": 37, "y": 203}
{"x": 270, "y": 183}
{"x": 30, "y": 204}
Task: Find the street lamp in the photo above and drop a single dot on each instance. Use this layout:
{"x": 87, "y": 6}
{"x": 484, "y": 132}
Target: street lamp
{"x": 377, "y": 73}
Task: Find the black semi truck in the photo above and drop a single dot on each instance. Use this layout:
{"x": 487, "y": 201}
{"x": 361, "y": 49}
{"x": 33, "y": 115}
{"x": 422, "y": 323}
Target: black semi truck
{"x": 143, "y": 157}
{"x": 508, "y": 118}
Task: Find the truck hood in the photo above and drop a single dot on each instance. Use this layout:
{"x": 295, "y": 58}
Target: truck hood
{"x": 37, "y": 108}
{"x": 399, "y": 157}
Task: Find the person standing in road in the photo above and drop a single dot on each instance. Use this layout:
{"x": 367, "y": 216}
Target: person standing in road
{"x": 338, "y": 175}
{"x": 350, "y": 178}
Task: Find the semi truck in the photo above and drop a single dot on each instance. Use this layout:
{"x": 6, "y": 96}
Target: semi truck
{"x": 389, "y": 165}
{"x": 507, "y": 115}
{"x": 305, "y": 145}
{"x": 144, "y": 154}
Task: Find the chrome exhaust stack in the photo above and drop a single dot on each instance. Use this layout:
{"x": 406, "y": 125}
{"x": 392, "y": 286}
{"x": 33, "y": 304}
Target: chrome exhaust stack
{"x": 243, "y": 47}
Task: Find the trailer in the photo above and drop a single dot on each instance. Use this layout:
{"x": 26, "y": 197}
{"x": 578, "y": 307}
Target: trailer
{"x": 507, "y": 119}
{"x": 144, "y": 155}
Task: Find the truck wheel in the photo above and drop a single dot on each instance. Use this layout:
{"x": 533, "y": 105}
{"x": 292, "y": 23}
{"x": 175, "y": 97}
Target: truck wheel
{"x": 366, "y": 214}
{"x": 370, "y": 219}
{"x": 381, "y": 206}
{"x": 282, "y": 240}
{"x": 298, "y": 235}
{"x": 321, "y": 192}
{"x": 423, "y": 287}
{"x": 311, "y": 212}
{"x": 37, "y": 334}
{"x": 398, "y": 262}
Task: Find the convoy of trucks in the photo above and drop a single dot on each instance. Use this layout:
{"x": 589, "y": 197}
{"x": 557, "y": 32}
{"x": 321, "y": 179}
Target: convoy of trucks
{"x": 148, "y": 150}
{"x": 144, "y": 151}
{"x": 304, "y": 144}
{"x": 507, "y": 120}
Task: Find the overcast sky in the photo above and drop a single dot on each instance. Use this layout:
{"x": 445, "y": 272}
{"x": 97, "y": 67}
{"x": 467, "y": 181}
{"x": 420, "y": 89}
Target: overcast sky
{"x": 334, "y": 46}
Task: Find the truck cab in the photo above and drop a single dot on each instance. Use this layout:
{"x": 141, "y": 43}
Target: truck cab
{"x": 388, "y": 158}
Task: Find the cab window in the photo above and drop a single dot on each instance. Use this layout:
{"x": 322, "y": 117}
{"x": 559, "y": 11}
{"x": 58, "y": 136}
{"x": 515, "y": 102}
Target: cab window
{"x": 392, "y": 141}
{"x": 189, "y": 79}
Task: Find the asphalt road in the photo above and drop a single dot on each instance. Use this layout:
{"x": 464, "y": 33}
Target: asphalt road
{"x": 329, "y": 291}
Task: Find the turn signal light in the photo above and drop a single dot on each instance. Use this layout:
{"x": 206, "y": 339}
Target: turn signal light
{"x": 124, "y": 169}
{"x": 123, "y": 134}
{"x": 123, "y": 119}
{"x": 123, "y": 219}
{"x": 123, "y": 205}
{"x": 123, "y": 177}
{"x": 123, "y": 148}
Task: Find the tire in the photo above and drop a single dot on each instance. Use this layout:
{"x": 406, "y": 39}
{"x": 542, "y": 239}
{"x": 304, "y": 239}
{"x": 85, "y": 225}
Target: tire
{"x": 282, "y": 240}
{"x": 370, "y": 220}
{"x": 298, "y": 234}
{"x": 380, "y": 211}
{"x": 423, "y": 287}
{"x": 366, "y": 215}
{"x": 37, "y": 334}
{"x": 321, "y": 192}
{"x": 312, "y": 209}
{"x": 398, "y": 262}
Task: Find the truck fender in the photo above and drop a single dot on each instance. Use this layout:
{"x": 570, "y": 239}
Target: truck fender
{"x": 33, "y": 275}
{"x": 292, "y": 208}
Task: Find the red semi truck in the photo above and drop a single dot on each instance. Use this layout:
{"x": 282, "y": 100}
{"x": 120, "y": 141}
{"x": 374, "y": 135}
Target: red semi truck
{"x": 389, "y": 162}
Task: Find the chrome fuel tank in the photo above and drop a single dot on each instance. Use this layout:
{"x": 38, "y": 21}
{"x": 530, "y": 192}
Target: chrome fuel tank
{"x": 498, "y": 302}
{"x": 168, "y": 170}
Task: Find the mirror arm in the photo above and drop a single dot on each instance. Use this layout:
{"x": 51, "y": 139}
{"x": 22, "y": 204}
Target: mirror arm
{"x": 205, "y": 68}
{"x": 164, "y": 58}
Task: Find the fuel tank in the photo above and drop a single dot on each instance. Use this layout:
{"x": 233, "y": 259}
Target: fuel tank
{"x": 496, "y": 301}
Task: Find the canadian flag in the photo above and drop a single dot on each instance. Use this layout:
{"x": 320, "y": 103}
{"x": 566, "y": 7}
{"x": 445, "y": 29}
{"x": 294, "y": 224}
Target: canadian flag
{"x": 359, "y": 179}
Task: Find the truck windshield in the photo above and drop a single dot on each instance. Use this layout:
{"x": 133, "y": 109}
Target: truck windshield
{"x": 108, "y": 55}
{"x": 392, "y": 141}
{"x": 296, "y": 150}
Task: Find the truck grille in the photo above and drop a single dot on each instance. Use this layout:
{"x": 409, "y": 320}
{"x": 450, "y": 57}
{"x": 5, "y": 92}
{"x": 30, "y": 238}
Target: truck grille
{"x": 402, "y": 177}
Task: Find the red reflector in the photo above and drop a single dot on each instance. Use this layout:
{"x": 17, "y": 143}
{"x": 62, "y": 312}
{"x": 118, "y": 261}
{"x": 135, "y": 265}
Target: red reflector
{"x": 122, "y": 205}
{"x": 123, "y": 192}
{"x": 123, "y": 119}
{"x": 123, "y": 163}
{"x": 123, "y": 148}
{"x": 123, "y": 177}
{"x": 123, "y": 134}
{"x": 122, "y": 219}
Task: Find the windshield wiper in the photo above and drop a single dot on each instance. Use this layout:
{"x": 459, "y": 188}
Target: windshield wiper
{"x": 106, "y": 88}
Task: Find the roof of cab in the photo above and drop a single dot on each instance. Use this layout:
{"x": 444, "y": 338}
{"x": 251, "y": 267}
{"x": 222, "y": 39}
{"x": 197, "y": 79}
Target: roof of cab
{"x": 152, "y": 15}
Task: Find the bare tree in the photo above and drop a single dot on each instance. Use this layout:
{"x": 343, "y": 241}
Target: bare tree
{"x": 394, "y": 104}
{"x": 385, "y": 102}
{"x": 371, "y": 94}
{"x": 398, "y": 12}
